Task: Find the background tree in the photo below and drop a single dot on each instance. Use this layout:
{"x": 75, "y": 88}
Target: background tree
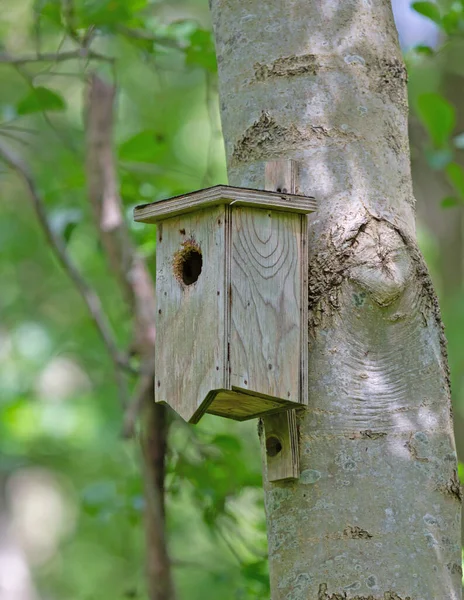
{"x": 72, "y": 485}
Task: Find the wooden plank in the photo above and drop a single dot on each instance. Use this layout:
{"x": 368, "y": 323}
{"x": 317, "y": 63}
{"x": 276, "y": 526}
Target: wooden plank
{"x": 282, "y": 448}
{"x": 242, "y": 407}
{"x": 222, "y": 194}
{"x": 281, "y": 436}
{"x": 190, "y": 325}
{"x": 265, "y": 336}
{"x": 281, "y": 176}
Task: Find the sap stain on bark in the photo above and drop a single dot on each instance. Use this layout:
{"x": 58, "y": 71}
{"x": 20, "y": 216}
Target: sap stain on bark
{"x": 356, "y": 533}
{"x": 287, "y": 66}
{"x": 323, "y": 595}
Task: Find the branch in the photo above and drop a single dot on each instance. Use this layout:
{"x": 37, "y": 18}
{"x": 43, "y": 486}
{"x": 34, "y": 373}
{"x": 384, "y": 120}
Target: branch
{"x": 103, "y": 191}
{"x": 143, "y": 390}
{"x": 138, "y": 289}
{"x": 79, "y": 53}
{"x": 89, "y": 296}
{"x": 141, "y": 34}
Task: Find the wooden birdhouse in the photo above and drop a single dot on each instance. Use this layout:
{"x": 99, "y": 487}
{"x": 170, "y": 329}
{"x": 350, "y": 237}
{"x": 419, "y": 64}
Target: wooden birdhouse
{"x": 231, "y": 288}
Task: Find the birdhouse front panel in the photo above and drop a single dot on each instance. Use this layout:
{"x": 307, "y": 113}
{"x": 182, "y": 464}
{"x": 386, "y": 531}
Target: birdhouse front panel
{"x": 267, "y": 301}
{"x": 190, "y": 358}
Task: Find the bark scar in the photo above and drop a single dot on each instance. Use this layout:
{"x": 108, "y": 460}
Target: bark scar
{"x": 287, "y": 66}
{"x": 323, "y": 595}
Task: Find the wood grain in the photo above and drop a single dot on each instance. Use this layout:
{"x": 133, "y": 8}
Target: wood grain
{"x": 266, "y": 303}
{"x": 223, "y": 194}
{"x": 281, "y": 176}
{"x": 190, "y": 323}
{"x": 284, "y": 462}
{"x": 233, "y": 342}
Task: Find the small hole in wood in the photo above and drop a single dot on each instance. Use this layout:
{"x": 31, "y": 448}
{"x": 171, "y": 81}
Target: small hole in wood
{"x": 273, "y": 446}
{"x": 188, "y": 263}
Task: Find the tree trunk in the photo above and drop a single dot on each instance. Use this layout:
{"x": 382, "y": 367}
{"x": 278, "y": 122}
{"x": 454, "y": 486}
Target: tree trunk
{"x": 376, "y": 511}
{"x": 138, "y": 291}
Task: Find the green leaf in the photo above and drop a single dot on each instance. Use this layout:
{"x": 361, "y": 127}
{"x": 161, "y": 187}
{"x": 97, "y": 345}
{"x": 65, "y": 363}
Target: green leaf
{"x": 228, "y": 443}
{"x": 256, "y": 571}
{"x": 145, "y": 146}
{"x": 429, "y": 10}
{"x": 49, "y": 9}
{"x": 107, "y": 13}
{"x": 438, "y": 116}
{"x": 40, "y": 99}
{"x": 450, "y": 202}
{"x": 451, "y": 21}
{"x": 456, "y": 175}
{"x": 423, "y": 49}
{"x": 201, "y": 51}
{"x": 461, "y": 471}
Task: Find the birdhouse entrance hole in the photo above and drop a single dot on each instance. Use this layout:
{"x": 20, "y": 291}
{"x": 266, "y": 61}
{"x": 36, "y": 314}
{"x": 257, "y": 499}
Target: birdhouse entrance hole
{"x": 273, "y": 446}
{"x": 188, "y": 263}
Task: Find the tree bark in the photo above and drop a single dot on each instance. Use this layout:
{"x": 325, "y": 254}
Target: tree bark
{"x": 376, "y": 511}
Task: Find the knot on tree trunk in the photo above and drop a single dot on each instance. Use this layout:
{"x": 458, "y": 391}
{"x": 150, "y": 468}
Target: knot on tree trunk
{"x": 381, "y": 262}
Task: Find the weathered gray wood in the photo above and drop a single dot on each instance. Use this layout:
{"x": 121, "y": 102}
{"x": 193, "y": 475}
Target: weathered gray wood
{"x": 281, "y": 176}
{"x": 282, "y": 451}
{"x": 283, "y": 460}
{"x": 266, "y": 303}
{"x": 190, "y": 324}
{"x": 229, "y": 339}
{"x": 223, "y": 194}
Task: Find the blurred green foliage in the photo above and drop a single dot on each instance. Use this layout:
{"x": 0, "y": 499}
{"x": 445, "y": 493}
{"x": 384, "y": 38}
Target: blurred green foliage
{"x": 60, "y": 420}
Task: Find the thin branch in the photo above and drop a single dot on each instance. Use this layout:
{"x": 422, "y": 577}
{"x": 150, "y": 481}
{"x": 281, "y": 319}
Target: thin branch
{"x": 143, "y": 388}
{"x": 17, "y": 139}
{"x": 79, "y": 53}
{"x": 87, "y": 293}
{"x": 141, "y": 34}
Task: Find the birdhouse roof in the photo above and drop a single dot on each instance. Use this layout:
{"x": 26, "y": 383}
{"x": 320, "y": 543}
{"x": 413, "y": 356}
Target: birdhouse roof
{"x": 223, "y": 194}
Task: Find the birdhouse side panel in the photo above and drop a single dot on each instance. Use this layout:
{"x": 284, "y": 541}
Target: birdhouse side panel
{"x": 190, "y": 353}
{"x": 266, "y": 303}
